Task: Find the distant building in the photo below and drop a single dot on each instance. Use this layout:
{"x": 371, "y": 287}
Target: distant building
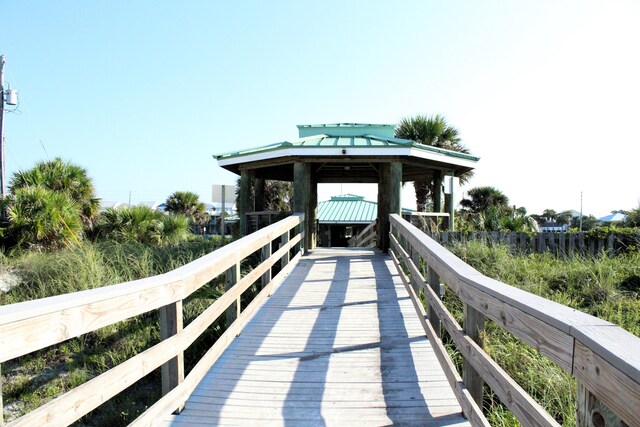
{"x": 613, "y": 218}
{"x": 343, "y": 217}
{"x": 553, "y": 227}
{"x": 104, "y": 205}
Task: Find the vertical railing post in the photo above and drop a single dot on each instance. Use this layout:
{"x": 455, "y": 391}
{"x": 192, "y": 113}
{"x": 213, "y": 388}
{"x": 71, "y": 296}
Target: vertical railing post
{"x": 170, "y": 325}
{"x": 266, "y": 254}
{"x": 434, "y": 283}
{"x": 474, "y": 327}
{"x": 284, "y": 241}
{"x": 1, "y": 404}
{"x": 233, "y": 275}
{"x": 415, "y": 257}
{"x": 301, "y": 230}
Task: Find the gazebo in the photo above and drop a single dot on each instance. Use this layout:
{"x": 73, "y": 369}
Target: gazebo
{"x": 344, "y": 153}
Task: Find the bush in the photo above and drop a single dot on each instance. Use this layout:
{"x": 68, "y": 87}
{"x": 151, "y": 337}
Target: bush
{"x": 39, "y": 217}
{"x": 142, "y": 224}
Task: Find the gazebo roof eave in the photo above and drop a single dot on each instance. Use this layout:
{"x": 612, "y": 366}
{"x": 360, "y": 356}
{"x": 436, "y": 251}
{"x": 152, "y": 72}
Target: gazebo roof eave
{"x": 350, "y": 154}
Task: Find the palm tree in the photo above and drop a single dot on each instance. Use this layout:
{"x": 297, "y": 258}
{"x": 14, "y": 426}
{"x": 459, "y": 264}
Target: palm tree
{"x": 278, "y": 195}
{"x": 186, "y": 203}
{"x": 482, "y": 198}
{"x": 64, "y": 177}
{"x": 436, "y": 132}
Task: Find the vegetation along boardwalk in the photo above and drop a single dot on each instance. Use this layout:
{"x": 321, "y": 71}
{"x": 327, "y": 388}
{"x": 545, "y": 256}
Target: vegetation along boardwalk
{"x": 338, "y": 343}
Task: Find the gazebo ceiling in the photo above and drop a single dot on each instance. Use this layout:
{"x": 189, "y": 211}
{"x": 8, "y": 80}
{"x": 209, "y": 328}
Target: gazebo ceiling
{"x": 346, "y": 152}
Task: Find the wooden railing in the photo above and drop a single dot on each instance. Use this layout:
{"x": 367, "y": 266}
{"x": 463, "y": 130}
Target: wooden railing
{"x": 367, "y": 238}
{"x": 29, "y": 326}
{"x": 258, "y": 220}
{"x": 602, "y": 357}
{"x": 556, "y": 243}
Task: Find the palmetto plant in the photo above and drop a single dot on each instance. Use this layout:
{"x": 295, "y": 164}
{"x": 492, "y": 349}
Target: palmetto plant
{"x": 142, "y": 224}
{"x": 63, "y": 177}
{"x": 436, "y": 132}
{"x": 42, "y": 218}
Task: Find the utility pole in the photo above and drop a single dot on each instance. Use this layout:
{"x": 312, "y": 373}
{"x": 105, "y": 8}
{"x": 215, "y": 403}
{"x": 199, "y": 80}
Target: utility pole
{"x": 2, "y": 182}
{"x": 581, "y": 211}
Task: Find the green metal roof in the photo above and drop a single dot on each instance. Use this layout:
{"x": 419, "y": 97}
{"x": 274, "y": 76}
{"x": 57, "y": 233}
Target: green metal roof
{"x": 331, "y": 141}
{"x": 348, "y": 209}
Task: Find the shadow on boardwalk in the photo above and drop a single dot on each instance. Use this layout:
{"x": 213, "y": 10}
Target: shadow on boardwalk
{"x": 331, "y": 346}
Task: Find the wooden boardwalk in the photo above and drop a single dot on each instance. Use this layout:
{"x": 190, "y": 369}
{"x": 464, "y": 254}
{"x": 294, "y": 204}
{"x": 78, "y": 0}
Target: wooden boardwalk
{"x": 338, "y": 343}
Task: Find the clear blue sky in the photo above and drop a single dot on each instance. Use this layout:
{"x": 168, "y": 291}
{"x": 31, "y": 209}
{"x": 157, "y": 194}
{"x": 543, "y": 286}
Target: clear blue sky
{"x": 142, "y": 94}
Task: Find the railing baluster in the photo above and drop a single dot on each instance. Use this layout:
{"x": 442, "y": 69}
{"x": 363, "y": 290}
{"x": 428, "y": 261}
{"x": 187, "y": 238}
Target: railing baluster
{"x": 415, "y": 257}
{"x": 170, "y": 325}
{"x": 1, "y": 404}
{"x": 434, "y": 283}
{"x": 284, "y": 240}
{"x": 474, "y": 327}
{"x": 233, "y": 275}
{"x": 266, "y": 254}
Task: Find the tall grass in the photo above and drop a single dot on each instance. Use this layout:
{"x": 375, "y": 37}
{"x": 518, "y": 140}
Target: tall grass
{"x": 608, "y": 288}
{"x": 31, "y": 380}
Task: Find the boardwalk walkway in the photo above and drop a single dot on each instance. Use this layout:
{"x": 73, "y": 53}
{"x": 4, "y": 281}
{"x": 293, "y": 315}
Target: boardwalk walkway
{"x": 338, "y": 343}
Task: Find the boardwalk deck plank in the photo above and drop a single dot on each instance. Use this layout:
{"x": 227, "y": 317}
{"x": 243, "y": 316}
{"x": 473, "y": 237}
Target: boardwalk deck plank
{"x": 338, "y": 343}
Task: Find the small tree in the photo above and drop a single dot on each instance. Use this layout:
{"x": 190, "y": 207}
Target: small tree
{"x": 188, "y": 204}
{"x": 480, "y": 199}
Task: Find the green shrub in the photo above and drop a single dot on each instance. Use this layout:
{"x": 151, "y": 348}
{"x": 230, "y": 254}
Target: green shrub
{"x": 142, "y": 224}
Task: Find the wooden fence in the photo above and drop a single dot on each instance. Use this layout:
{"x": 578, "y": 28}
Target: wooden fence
{"x": 555, "y": 243}
{"x": 30, "y": 326}
{"x": 602, "y": 357}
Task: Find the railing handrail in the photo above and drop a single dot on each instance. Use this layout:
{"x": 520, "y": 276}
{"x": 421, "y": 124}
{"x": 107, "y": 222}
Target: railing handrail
{"x": 29, "y": 326}
{"x": 600, "y": 355}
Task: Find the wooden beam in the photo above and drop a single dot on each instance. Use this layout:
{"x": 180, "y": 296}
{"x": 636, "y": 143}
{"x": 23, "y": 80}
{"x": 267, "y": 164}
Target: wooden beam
{"x": 302, "y": 196}
{"x": 258, "y": 199}
{"x": 244, "y": 196}
{"x": 266, "y": 254}
{"x": 450, "y": 204}
{"x": 389, "y": 190}
{"x": 233, "y": 276}
{"x": 437, "y": 193}
{"x": 474, "y": 328}
{"x": 170, "y": 325}
{"x": 1, "y": 404}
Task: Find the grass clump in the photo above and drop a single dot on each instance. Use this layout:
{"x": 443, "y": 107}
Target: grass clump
{"x": 608, "y": 288}
{"x": 33, "y": 379}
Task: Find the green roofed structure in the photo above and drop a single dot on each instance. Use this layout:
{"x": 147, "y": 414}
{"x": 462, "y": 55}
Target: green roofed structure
{"x": 344, "y": 216}
{"x": 342, "y": 153}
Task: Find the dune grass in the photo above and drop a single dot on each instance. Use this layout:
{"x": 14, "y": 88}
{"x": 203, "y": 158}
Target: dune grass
{"x": 608, "y": 288}
{"x": 32, "y": 380}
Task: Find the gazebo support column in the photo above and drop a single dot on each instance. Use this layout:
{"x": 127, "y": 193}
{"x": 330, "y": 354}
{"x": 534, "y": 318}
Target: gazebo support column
{"x": 449, "y": 204}
{"x": 244, "y": 196}
{"x": 313, "y": 214}
{"x": 302, "y": 198}
{"x": 437, "y": 191}
{"x": 389, "y": 189}
{"x": 259, "y": 194}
